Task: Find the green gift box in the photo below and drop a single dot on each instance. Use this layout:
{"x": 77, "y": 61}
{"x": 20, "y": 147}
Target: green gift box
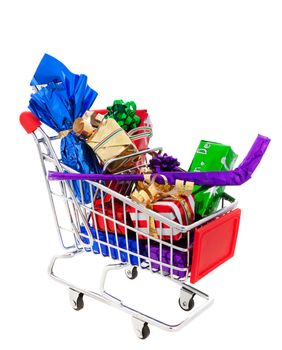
{"x": 210, "y": 156}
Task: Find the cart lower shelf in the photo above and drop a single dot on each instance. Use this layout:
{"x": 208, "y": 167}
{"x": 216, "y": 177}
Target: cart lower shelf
{"x": 141, "y": 321}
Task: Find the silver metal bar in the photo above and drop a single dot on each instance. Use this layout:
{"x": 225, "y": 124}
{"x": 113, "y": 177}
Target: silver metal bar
{"x": 133, "y": 155}
{"x": 157, "y": 216}
{"x": 49, "y": 192}
{"x": 59, "y": 166}
{"x": 111, "y": 300}
{"x": 115, "y": 227}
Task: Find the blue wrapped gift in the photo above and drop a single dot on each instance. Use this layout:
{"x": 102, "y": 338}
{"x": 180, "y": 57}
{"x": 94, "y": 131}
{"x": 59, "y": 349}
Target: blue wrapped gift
{"x": 98, "y": 248}
{"x": 62, "y": 98}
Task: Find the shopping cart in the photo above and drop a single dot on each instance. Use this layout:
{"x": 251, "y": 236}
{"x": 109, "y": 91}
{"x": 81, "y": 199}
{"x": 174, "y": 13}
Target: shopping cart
{"x": 208, "y": 242}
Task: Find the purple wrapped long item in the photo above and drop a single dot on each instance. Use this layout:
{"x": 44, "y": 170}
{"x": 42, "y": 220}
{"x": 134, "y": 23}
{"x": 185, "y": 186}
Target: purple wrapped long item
{"x": 234, "y": 177}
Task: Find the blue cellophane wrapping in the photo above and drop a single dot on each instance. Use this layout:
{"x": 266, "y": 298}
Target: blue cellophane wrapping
{"x": 112, "y": 252}
{"x": 65, "y": 98}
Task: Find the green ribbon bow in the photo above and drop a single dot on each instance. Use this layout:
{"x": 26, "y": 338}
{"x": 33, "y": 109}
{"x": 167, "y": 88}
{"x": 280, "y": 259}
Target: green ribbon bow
{"x": 124, "y": 114}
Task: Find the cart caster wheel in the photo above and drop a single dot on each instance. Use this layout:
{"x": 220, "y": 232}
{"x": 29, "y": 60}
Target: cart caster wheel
{"x": 141, "y": 328}
{"x": 76, "y": 299}
{"x": 131, "y": 272}
{"x": 145, "y": 331}
{"x": 186, "y": 306}
{"x": 79, "y": 303}
{"x": 186, "y": 300}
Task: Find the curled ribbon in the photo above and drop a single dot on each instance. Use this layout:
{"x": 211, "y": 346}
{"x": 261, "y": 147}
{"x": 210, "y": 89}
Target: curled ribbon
{"x": 82, "y": 126}
{"x": 124, "y": 114}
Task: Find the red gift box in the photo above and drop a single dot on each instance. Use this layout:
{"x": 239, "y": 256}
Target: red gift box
{"x": 178, "y": 210}
{"x": 99, "y": 216}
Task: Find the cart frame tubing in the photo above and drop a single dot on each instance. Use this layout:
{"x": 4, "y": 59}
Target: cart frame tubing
{"x": 79, "y": 246}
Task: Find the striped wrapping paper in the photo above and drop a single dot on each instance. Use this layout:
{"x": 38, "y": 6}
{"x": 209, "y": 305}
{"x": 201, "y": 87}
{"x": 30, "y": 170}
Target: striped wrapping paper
{"x": 176, "y": 210}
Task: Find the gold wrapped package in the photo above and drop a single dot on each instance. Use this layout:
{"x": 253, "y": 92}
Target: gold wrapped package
{"x": 108, "y": 141}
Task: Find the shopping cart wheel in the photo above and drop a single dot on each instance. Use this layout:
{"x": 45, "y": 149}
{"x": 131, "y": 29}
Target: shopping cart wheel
{"x": 186, "y": 300}
{"x": 131, "y": 272}
{"x": 186, "y": 306}
{"x": 141, "y": 328}
{"x": 76, "y": 299}
{"x": 145, "y": 331}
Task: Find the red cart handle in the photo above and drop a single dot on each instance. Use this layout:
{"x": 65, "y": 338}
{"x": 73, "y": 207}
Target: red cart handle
{"x": 29, "y": 122}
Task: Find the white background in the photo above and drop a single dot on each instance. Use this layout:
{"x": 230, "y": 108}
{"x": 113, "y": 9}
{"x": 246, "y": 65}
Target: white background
{"x": 205, "y": 70}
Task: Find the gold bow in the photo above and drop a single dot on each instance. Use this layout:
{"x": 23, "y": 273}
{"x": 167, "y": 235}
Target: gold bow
{"x": 147, "y": 194}
{"x": 85, "y": 125}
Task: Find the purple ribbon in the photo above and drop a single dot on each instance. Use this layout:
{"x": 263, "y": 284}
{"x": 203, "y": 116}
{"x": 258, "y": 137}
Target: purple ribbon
{"x": 163, "y": 162}
{"x": 234, "y": 177}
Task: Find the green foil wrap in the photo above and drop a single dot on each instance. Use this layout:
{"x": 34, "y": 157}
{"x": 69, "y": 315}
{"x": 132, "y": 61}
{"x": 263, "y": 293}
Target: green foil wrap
{"x": 210, "y": 156}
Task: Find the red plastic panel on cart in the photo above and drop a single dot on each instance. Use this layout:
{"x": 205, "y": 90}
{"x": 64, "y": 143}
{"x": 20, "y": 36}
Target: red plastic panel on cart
{"x": 214, "y": 243}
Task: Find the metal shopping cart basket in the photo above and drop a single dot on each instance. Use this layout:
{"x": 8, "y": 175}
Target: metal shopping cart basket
{"x": 208, "y": 242}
